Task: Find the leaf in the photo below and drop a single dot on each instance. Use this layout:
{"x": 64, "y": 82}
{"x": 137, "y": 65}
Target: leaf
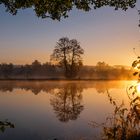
{"x": 134, "y": 64}
{"x": 131, "y": 87}
{"x": 135, "y": 73}
{"x": 133, "y": 93}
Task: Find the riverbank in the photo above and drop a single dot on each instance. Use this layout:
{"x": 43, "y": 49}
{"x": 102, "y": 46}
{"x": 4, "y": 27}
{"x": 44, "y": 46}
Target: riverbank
{"x": 62, "y": 79}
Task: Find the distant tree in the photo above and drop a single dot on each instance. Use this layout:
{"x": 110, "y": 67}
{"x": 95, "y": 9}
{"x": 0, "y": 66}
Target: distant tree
{"x": 36, "y": 64}
{"x": 7, "y": 70}
{"x": 55, "y": 9}
{"x": 27, "y": 70}
{"x": 102, "y": 65}
{"x": 68, "y": 53}
{"x": 36, "y": 68}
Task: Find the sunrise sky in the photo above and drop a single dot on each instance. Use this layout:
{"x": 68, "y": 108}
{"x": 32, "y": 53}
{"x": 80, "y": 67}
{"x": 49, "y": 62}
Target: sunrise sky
{"x": 105, "y": 35}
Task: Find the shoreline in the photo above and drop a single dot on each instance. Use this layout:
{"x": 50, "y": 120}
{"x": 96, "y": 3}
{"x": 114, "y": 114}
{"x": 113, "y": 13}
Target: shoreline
{"x": 55, "y": 79}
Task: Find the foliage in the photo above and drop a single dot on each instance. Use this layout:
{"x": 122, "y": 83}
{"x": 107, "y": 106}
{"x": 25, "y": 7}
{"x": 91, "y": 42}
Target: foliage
{"x": 123, "y": 123}
{"x": 67, "y": 54}
{"x": 5, "y": 124}
{"x": 6, "y": 69}
{"x": 55, "y": 9}
{"x": 136, "y": 66}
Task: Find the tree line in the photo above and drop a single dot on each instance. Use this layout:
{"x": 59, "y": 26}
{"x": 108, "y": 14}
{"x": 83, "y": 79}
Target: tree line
{"x": 66, "y": 62}
{"x": 36, "y": 70}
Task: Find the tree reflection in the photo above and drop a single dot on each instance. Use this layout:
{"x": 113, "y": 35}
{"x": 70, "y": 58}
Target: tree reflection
{"x": 123, "y": 123}
{"x": 67, "y": 102}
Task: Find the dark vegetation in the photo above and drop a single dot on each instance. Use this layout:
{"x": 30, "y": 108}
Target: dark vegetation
{"x": 124, "y": 122}
{"x": 68, "y": 55}
{"x": 55, "y": 9}
{"x": 36, "y": 70}
{"x": 5, "y": 124}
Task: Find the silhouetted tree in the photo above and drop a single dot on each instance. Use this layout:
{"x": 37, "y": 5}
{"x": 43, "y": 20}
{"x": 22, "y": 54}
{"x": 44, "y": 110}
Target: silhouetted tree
{"x": 36, "y": 64}
{"x": 102, "y": 65}
{"x": 55, "y": 9}
{"x": 102, "y": 70}
{"x": 75, "y": 59}
{"x": 68, "y": 54}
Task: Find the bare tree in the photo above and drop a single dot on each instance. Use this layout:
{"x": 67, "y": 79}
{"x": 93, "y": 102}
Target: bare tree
{"x": 68, "y": 54}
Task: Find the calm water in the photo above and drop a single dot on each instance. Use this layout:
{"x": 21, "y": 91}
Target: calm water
{"x": 61, "y": 110}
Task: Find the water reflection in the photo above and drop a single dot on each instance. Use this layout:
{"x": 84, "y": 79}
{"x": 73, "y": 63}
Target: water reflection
{"x": 67, "y": 102}
{"x": 62, "y": 110}
{"x": 37, "y": 86}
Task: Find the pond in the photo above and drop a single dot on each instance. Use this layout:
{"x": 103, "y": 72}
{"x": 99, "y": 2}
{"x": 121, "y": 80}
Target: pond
{"x": 61, "y": 110}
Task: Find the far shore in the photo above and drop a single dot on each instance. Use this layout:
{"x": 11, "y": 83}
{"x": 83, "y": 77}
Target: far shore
{"x": 57, "y": 79}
